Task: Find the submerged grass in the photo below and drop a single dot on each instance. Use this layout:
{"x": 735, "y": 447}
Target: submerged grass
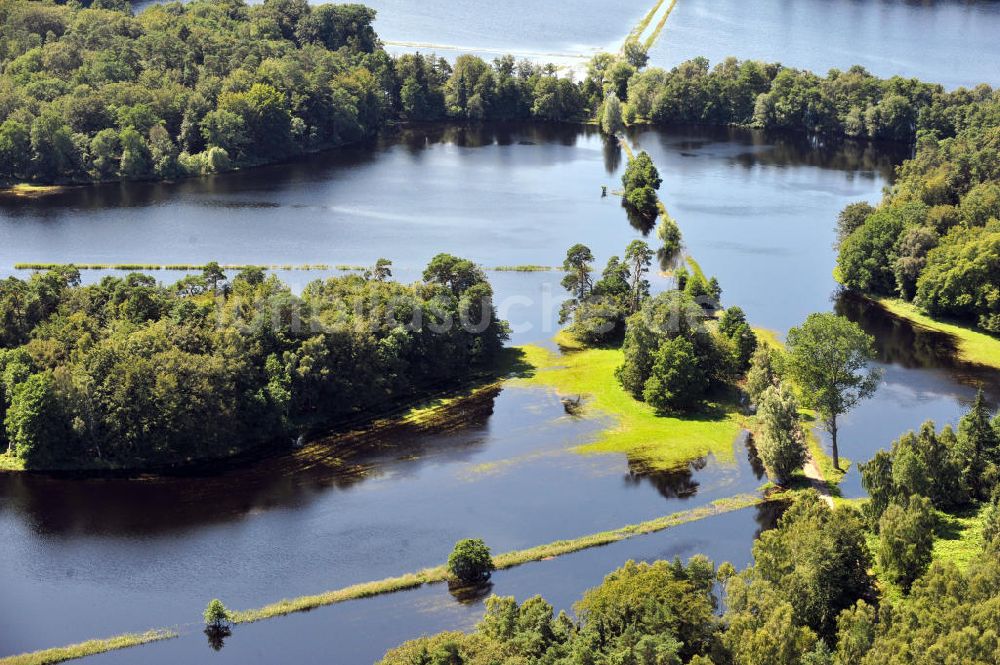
{"x": 502, "y": 561}
{"x": 88, "y": 648}
{"x": 523, "y": 268}
{"x": 661, "y": 442}
{"x": 973, "y": 346}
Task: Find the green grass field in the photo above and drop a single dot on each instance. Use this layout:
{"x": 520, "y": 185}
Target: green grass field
{"x": 960, "y": 537}
{"x": 634, "y": 428}
{"x": 973, "y": 346}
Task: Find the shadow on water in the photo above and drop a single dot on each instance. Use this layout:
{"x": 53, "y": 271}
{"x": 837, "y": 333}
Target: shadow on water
{"x": 900, "y": 343}
{"x": 281, "y": 481}
{"x": 262, "y": 182}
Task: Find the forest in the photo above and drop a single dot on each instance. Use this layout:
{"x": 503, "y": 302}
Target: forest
{"x": 130, "y": 373}
{"x": 90, "y": 93}
{"x": 935, "y": 238}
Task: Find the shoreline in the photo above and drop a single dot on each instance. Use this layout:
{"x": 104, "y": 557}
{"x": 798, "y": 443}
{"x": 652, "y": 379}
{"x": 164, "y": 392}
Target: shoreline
{"x": 426, "y": 411}
{"x": 973, "y": 346}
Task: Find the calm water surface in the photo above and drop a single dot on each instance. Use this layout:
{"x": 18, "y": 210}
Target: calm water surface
{"x": 361, "y": 632}
{"x": 951, "y": 42}
{"x": 105, "y": 556}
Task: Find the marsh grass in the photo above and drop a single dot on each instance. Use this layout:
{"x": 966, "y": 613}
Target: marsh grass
{"x": 651, "y": 40}
{"x": 974, "y": 347}
{"x": 634, "y": 428}
{"x": 524, "y": 268}
{"x": 88, "y": 648}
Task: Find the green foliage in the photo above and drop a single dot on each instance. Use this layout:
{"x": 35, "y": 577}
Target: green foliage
{"x": 764, "y": 371}
{"x": 828, "y": 360}
{"x": 676, "y": 380}
{"x": 641, "y": 180}
{"x": 948, "y": 616}
{"x": 216, "y": 615}
{"x": 805, "y": 572}
{"x": 128, "y": 372}
{"x": 780, "y": 442}
{"x": 906, "y": 538}
{"x": 935, "y": 238}
{"x": 662, "y": 319}
{"x": 948, "y": 469}
{"x": 961, "y": 277}
{"x": 470, "y": 562}
{"x": 610, "y": 116}
{"x": 855, "y": 633}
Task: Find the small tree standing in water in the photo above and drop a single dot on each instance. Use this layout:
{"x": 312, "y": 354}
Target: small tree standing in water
{"x": 470, "y": 562}
{"x": 217, "y": 619}
{"x": 216, "y": 615}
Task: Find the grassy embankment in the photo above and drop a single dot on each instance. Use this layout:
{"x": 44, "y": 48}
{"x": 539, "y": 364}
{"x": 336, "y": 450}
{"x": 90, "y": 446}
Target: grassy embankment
{"x": 824, "y": 462}
{"x": 27, "y": 191}
{"x": 408, "y": 581}
{"x": 88, "y": 648}
{"x": 657, "y": 441}
{"x": 974, "y": 347}
{"x": 647, "y": 20}
{"x": 11, "y": 463}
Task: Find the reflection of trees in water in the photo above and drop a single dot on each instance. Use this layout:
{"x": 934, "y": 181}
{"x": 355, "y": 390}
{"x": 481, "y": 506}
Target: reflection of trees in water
{"x": 471, "y": 595}
{"x": 612, "y": 155}
{"x": 753, "y": 147}
{"x": 670, "y": 484}
{"x": 479, "y": 135}
{"x": 755, "y": 464}
{"x": 217, "y": 636}
{"x": 898, "y": 342}
{"x": 767, "y": 515}
{"x": 639, "y": 222}
{"x": 679, "y": 483}
{"x": 668, "y": 260}
{"x": 164, "y": 504}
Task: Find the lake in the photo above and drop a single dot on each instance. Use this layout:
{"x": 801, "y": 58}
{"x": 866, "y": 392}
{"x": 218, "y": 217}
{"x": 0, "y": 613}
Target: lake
{"x": 98, "y": 557}
{"x": 951, "y": 42}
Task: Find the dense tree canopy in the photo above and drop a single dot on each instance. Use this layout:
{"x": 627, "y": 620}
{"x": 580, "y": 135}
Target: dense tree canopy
{"x": 96, "y": 93}
{"x": 935, "y": 239}
{"x": 129, "y": 372}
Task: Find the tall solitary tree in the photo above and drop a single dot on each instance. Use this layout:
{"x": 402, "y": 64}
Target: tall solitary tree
{"x": 780, "y": 444}
{"x": 639, "y": 257}
{"x": 828, "y": 359}
{"x": 578, "y": 281}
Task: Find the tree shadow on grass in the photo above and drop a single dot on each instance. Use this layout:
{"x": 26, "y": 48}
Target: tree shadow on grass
{"x": 949, "y": 525}
{"x": 513, "y": 362}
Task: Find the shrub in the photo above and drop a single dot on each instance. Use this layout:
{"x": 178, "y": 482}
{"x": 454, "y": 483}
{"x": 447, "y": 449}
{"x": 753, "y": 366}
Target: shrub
{"x": 470, "y": 562}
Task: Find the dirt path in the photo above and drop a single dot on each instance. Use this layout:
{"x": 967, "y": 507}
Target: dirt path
{"x": 815, "y": 476}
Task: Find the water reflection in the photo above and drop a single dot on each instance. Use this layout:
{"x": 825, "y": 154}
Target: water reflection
{"x": 279, "y": 481}
{"x": 900, "y": 343}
